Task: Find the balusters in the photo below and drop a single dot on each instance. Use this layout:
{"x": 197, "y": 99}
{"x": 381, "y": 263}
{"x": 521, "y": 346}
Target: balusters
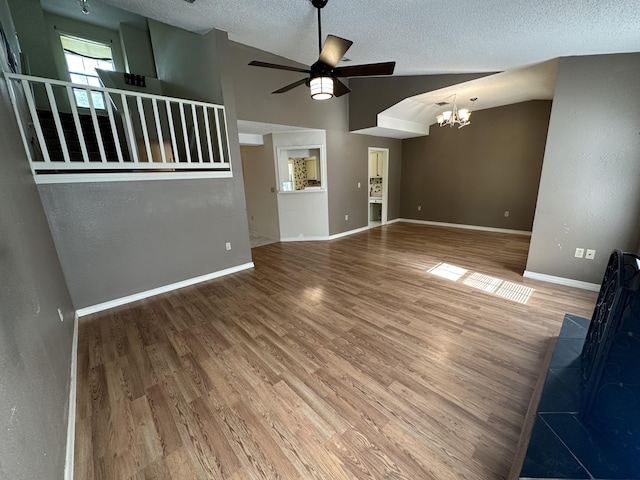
{"x": 133, "y": 120}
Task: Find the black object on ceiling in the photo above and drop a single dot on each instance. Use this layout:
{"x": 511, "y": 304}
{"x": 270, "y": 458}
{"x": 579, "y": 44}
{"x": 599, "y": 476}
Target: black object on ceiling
{"x": 331, "y": 53}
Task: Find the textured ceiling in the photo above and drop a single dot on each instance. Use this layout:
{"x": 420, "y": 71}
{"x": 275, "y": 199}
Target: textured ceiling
{"x": 422, "y": 36}
{"x": 517, "y": 37}
{"x": 100, "y": 14}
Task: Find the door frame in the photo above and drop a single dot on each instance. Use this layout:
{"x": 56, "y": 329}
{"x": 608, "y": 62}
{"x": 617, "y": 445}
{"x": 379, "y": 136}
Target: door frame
{"x": 385, "y": 181}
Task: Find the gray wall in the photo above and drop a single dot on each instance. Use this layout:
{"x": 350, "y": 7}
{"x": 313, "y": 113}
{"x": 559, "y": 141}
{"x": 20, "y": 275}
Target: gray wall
{"x": 370, "y": 96}
{"x": 589, "y": 195}
{"x": 31, "y": 28}
{"x": 347, "y": 158}
{"x": 118, "y": 239}
{"x": 253, "y": 86}
{"x": 472, "y": 175}
{"x": 137, "y": 50}
{"x": 348, "y": 164}
{"x": 35, "y": 346}
{"x": 259, "y": 180}
{"x": 186, "y": 63}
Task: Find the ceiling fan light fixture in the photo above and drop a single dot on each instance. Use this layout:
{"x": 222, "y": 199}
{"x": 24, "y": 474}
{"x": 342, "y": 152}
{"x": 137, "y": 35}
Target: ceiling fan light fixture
{"x": 321, "y": 88}
{"x": 323, "y": 77}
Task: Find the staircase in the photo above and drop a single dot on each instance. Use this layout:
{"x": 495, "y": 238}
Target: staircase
{"x": 71, "y": 138}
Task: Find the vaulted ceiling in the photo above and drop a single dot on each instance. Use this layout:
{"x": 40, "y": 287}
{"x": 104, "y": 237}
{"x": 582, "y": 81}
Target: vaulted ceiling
{"x": 422, "y": 36}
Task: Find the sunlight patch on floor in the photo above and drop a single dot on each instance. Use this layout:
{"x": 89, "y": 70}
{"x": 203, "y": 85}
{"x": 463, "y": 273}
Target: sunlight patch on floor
{"x": 486, "y": 283}
{"x": 450, "y": 272}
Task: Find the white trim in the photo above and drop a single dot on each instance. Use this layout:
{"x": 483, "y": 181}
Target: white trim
{"x": 157, "y": 291}
{"x": 335, "y": 235}
{"x": 250, "y": 139}
{"x": 281, "y": 152}
{"x": 569, "y": 282}
{"x": 305, "y": 191}
{"x": 385, "y": 184}
{"x": 466, "y": 227}
{"x": 303, "y": 239}
{"x": 413, "y": 128}
{"x": 71, "y": 420}
{"x": 347, "y": 233}
{"x": 43, "y": 178}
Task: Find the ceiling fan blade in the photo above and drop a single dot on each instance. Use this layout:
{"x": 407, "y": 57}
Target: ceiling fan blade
{"x": 334, "y": 49}
{"x": 385, "y": 68}
{"x": 256, "y": 63}
{"x": 291, "y": 86}
{"x": 339, "y": 88}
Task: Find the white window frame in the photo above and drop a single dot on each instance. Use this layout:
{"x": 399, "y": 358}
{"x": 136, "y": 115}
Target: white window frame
{"x": 98, "y": 98}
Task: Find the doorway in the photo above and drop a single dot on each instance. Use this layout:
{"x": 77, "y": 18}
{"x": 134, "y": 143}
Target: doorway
{"x": 378, "y": 168}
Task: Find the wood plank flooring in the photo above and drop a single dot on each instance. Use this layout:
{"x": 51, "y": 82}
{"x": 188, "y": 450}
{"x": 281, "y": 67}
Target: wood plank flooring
{"x": 330, "y": 360}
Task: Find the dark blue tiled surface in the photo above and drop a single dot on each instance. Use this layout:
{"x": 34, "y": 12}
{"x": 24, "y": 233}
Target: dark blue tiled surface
{"x": 574, "y": 327}
{"x": 567, "y": 353}
{"x": 547, "y": 457}
{"x": 599, "y": 456}
{"x": 557, "y": 396}
{"x": 562, "y": 446}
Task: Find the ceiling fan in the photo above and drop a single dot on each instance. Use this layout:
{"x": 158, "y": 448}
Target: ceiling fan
{"x": 323, "y": 76}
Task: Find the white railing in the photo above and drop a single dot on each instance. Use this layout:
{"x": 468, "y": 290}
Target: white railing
{"x": 122, "y": 132}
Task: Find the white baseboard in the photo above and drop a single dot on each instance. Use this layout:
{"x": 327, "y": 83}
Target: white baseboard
{"x": 330, "y": 237}
{"x": 347, "y": 233}
{"x": 395, "y": 220}
{"x": 335, "y": 235}
{"x": 569, "y": 282}
{"x": 466, "y": 227}
{"x": 303, "y": 239}
{"x": 157, "y": 291}
{"x": 71, "y": 420}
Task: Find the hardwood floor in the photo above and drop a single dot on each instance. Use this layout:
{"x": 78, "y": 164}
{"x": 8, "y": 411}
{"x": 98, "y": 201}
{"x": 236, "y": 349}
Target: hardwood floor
{"x": 330, "y": 360}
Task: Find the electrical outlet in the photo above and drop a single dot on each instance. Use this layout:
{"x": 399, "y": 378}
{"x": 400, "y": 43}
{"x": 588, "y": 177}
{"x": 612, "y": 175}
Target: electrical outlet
{"x": 419, "y": 208}
{"x": 358, "y": 184}
{"x": 579, "y": 253}
{"x": 506, "y": 213}
{"x": 60, "y": 315}
{"x": 228, "y": 245}
{"x": 346, "y": 217}
{"x": 591, "y": 254}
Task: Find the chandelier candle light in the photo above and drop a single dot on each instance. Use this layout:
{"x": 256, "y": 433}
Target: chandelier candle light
{"x": 452, "y": 117}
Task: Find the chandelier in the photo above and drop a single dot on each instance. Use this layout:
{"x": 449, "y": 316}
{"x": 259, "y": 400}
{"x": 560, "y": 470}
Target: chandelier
{"x": 460, "y": 117}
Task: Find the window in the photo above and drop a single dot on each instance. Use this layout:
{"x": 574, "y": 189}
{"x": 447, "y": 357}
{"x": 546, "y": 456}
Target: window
{"x": 83, "y": 57}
